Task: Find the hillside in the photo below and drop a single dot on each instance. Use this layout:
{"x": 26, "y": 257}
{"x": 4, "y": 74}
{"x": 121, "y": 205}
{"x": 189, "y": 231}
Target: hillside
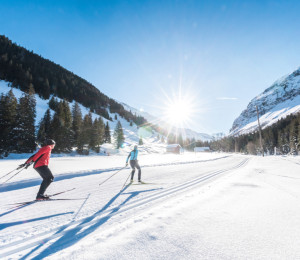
{"x": 276, "y": 102}
{"x": 25, "y": 69}
{"x": 132, "y": 133}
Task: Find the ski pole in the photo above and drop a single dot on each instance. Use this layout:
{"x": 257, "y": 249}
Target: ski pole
{"x": 125, "y": 182}
{"x": 7, "y": 174}
{"x": 19, "y": 167}
{"x": 11, "y": 177}
{"x": 112, "y": 175}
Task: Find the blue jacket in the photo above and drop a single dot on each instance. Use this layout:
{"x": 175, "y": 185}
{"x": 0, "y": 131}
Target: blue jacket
{"x": 132, "y": 155}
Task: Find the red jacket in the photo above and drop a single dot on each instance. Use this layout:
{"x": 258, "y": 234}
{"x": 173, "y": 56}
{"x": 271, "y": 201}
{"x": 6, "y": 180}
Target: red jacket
{"x": 42, "y": 157}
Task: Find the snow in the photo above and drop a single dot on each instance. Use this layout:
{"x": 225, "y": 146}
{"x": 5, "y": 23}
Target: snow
{"x": 196, "y": 206}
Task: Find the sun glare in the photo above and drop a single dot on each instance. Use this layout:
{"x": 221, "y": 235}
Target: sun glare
{"x": 178, "y": 111}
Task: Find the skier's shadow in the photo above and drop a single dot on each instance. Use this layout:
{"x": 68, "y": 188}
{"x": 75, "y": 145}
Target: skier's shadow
{"x": 10, "y": 224}
{"x": 73, "y": 235}
{"x": 14, "y": 209}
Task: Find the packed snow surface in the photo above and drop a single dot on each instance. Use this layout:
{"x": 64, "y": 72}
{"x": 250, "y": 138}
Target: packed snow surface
{"x": 194, "y": 206}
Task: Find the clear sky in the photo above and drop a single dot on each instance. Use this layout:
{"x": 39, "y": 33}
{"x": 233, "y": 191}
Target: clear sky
{"x": 220, "y": 53}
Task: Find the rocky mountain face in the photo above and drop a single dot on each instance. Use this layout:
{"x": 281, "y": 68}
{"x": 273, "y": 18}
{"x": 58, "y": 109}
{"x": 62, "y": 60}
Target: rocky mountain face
{"x": 276, "y": 102}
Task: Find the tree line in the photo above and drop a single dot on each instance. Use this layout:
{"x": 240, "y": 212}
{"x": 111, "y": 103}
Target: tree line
{"x": 282, "y": 137}
{"x": 66, "y": 126}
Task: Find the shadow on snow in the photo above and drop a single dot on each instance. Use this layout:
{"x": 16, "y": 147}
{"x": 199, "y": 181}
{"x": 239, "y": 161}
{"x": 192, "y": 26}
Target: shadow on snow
{"x": 74, "y": 235}
{"x": 6, "y": 225}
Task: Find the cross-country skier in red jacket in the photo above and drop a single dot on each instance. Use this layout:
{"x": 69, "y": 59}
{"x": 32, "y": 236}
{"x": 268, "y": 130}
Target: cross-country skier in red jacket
{"x": 41, "y": 161}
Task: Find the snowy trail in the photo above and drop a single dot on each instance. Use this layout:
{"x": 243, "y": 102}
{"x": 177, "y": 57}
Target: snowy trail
{"x": 141, "y": 200}
{"x": 113, "y": 224}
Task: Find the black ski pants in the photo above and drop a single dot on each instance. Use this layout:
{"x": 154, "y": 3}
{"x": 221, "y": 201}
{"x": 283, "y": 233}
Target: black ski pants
{"x": 47, "y": 176}
{"x": 134, "y": 164}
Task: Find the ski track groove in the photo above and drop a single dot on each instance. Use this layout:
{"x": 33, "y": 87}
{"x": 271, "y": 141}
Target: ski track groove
{"x": 61, "y": 177}
{"x": 131, "y": 205}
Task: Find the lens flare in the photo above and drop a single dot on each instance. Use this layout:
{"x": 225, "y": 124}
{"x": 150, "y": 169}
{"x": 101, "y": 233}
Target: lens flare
{"x": 178, "y": 111}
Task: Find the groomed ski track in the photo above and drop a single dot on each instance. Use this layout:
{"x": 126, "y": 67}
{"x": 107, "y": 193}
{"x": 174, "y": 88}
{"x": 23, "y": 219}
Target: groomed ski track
{"x": 159, "y": 193}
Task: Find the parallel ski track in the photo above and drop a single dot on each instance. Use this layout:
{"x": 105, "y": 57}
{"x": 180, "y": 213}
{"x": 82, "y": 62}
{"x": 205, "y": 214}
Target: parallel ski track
{"x": 131, "y": 205}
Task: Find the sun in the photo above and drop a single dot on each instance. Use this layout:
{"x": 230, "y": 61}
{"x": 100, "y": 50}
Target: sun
{"x": 178, "y": 110}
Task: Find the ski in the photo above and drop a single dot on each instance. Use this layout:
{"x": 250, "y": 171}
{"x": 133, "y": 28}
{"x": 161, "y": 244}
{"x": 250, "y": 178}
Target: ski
{"x": 52, "y": 195}
{"x": 55, "y": 194}
{"x": 141, "y": 183}
{"x": 22, "y": 204}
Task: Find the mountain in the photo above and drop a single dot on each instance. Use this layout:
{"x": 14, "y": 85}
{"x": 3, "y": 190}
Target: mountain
{"x": 278, "y": 101}
{"x": 186, "y": 133}
{"x": 25, "y": 69}
{"x": 138, "y": 112}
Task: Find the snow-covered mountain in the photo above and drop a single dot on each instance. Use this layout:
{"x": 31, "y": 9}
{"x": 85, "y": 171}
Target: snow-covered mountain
{"x": 138, "y": 112}
{"x": 276, "y": 102}
{"x": 185, "y": 132}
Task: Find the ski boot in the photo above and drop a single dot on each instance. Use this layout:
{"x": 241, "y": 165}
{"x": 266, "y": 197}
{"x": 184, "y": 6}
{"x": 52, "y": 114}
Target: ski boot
{"x": 42, "y": 197}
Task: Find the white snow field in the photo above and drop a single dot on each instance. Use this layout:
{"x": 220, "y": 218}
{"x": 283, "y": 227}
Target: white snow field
{"x": 195, "y": 206}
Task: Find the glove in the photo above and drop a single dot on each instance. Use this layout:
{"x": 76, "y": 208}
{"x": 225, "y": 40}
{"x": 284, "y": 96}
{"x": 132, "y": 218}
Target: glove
{"x": 28, "y": 164}
{"x": 21, "y": 166}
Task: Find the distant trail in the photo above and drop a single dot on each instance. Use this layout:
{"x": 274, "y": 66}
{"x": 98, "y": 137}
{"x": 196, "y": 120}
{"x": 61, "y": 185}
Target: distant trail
{"x": 114, "y": 211}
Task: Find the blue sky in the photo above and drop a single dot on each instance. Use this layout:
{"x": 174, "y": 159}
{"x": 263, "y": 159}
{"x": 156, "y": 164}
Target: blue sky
{"x": 221, "y": 53}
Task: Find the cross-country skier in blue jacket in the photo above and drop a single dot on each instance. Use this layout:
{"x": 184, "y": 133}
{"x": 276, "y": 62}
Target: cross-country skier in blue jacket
{"x": 134, "y": 163}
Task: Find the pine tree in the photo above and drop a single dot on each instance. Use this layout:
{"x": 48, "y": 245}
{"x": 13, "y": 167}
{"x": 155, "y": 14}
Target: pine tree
{"x": 107, "y": 137}
{"x": 88, "y": 126}
{"x": 57, "y": 131}
{"x": 68, "y": 132}
{"x": 76, "y": 122}
{"x": 44, "y": 131}
{"x": 86, "y": 133}
{"x": 8, "y": 112}
{"x": 119, "y": 135}
{"x": 24, "y": 130}
{"x": 98, "y": 134}
{"x": 141, "y": 141}
{"x": 294, "y": 141}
